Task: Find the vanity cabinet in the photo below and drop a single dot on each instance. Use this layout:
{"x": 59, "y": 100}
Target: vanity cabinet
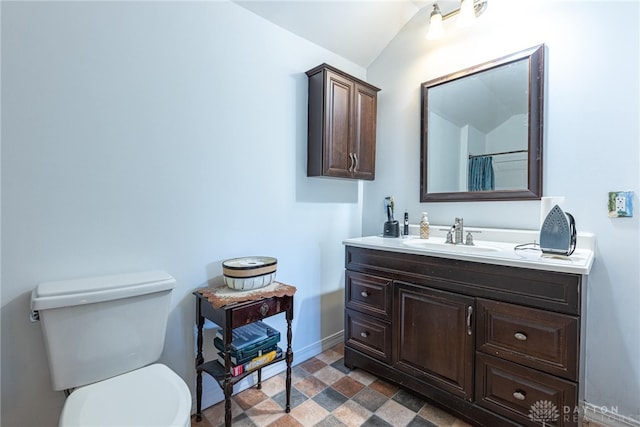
{"x": 341, "y": 125}
{"x": 495, "y": 345}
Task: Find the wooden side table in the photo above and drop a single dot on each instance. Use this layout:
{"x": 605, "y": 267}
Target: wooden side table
{"x": 232, "y": 309}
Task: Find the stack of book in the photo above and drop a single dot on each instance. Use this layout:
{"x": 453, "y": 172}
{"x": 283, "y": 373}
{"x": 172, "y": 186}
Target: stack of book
{"x": 252, "y": 346}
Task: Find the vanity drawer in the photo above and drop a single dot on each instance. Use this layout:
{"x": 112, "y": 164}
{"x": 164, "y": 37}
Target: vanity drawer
{"x": 368, "y": 335}
{"x": 536, "y": 338}
{"x": 368, "y": 294}
{"x": 523, "y": 394}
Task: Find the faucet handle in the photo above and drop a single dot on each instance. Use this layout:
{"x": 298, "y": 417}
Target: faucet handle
{"x": 449, "y": 237}
{"x": 469, "y": 240}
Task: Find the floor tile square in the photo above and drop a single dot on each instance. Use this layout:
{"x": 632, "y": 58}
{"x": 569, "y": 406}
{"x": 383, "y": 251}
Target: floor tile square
{"x": 329, "y": 399}
{"x": 396, "y": 414}
{"x": 330, "y": 421}
{"x": 312, "y": 365}
{"x": 297, "y": 374}
{"x": 274, "y": 385}
{"x": 241, "y": 420}
{"x": 329, "y": 356}
{"x": 249, "y": 398}
{"x": 215, "y": 413}
{"x": 418, "y": 421}
{"x": 309, "y": 413}
{"x": 437, "y": 416}
{"x": 362, "y": 376}
{"x": 265, "y": 412}
{"x": 375, "y": 421}
{"x": 311, "y": 386}
{"x": 408, "y": 399}
{"x": 297, "y": 398}
{"x": 370, "y": 399}
{"x": 285, "y": 421}
{"x": 328, "y": 375}
{"x": 348, "y": 386}
{"x": 384, "y": 387}
{"x": 352, "y": 414}
{"x": 339, "y": 365}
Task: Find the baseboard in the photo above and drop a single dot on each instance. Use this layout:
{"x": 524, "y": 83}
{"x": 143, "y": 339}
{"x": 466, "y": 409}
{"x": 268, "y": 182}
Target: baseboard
{"x": 212, "y": 393}
{"x": 607, "y": 416}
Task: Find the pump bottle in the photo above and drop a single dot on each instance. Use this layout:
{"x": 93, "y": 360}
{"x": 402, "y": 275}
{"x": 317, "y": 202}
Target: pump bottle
{"x": 424, "y": 226}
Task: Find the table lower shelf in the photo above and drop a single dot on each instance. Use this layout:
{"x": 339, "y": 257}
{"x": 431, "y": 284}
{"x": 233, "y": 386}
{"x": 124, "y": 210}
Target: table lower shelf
{"x": 216, "y": 370}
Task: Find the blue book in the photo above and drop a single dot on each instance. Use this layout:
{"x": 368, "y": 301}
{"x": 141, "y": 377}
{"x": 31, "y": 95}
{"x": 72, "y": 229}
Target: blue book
{"x": 250, "y": 335}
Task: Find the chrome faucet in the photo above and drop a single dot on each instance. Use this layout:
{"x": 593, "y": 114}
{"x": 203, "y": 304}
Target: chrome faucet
{"x": 458, "y": 231}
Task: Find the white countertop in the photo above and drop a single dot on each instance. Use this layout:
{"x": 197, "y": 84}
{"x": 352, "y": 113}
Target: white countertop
{"x": 501, "y": 243}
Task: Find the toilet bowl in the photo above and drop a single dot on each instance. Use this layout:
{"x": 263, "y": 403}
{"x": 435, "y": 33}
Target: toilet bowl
{"x": 103, "y": 337}
{"x": 150, "y": 396}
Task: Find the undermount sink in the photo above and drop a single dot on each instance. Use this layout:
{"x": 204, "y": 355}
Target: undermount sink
{"x": 438, "y": 244}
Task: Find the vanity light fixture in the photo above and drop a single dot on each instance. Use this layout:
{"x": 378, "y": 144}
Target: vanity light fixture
{"x": 469, "y": 10}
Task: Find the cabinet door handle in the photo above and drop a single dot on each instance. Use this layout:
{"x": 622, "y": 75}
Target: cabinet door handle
{"x": 469, "y": 313}
{"x": 355, "y": 166}
{"x": 364, "y": 294}
{"x": 520, "y": 336}
{"x": 519, "y": 394}
{"x": 364, "y": 334}
{"x": 351, "y": 162}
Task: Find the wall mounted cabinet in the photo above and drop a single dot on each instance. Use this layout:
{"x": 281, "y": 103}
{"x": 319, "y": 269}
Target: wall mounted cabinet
{"x": 495, "y": 345}
{"x": 341, "y": 126}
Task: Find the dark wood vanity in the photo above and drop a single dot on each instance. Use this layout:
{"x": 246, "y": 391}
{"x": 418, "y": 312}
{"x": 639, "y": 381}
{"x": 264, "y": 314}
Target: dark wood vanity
{"x": 495, "y": 345}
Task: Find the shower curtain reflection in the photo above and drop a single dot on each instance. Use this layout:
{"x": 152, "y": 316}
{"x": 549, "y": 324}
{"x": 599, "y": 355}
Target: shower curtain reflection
{"x": 481, "y": 175}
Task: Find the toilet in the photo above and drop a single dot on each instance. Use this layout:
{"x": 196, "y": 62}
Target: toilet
{"x": 103, "y": 337}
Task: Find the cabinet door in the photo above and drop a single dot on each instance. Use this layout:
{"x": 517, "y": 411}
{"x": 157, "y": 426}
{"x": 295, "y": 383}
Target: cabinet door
{"x": 364, "y": 141}
{"x": 434, "y": 337}
{"x": 337, "y": 158}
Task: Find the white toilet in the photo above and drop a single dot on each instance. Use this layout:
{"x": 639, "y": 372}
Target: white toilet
{"x": 102, "y": 336}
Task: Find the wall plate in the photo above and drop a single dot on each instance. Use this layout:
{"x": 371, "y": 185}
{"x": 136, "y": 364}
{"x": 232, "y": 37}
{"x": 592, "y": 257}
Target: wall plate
{"x": 620, "y": 204}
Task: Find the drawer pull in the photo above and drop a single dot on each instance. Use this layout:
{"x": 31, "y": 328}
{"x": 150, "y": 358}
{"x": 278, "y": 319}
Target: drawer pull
{"x": 364, "y": 294}
{"x": 264, "y": 309}
{"x": 519, "y": 394}
{"x": 364, "y": 334}
{"x": 469, "y": 313}
{"x": 520, "y": 336}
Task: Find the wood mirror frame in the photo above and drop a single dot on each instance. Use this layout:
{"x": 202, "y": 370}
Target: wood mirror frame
{"x": 535, "y": 56}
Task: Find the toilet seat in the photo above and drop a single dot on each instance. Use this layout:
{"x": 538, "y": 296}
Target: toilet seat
{"x": 150, "y": 396}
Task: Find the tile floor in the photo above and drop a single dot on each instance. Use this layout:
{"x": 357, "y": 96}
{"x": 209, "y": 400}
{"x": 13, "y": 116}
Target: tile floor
{"x": 324, "y": 393}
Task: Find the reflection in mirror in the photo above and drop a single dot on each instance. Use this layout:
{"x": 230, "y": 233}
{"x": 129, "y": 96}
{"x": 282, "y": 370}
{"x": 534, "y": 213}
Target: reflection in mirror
{"x": 482, "y": 131}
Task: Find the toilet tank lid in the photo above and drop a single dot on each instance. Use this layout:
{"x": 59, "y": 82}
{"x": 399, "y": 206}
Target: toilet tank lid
{"x": 62, "y": 293}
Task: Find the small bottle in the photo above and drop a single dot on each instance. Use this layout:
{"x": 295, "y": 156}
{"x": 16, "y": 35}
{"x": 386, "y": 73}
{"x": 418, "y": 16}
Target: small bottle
{"x": 424, "y": 226}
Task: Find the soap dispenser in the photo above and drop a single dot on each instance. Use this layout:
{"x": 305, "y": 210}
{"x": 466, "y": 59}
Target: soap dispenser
{"x": 424, "y": 226}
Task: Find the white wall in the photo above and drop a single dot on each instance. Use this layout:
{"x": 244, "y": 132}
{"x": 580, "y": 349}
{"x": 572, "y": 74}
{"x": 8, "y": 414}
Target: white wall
{"x": 158, "y": 135}
{"x": 590, "y": 148}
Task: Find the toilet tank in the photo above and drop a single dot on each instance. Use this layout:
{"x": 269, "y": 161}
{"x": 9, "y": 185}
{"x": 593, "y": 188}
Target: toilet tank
{"x": 99, "y": 327}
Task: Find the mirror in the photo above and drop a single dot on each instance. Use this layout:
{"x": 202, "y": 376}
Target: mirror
{"x": 481, "y": 131}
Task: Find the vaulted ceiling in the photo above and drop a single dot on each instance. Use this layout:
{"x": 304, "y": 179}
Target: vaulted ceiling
{"x": 355, "y": 29}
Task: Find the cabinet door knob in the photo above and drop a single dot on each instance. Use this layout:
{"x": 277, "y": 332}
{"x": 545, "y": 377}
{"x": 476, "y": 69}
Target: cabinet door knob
{"x": 264, "y": 309}
{"x": 364, "y": 334}
{"x": 364, "y": 294}
{"x": 519, "y": 394}
{"x": 520, "y": 336}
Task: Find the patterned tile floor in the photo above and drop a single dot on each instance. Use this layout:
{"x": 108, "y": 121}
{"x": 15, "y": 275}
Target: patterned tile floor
{"x": 325, "y": 393}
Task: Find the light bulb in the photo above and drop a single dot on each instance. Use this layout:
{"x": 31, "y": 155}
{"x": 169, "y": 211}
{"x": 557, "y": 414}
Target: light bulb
{"x": 436, "y": 30}
{"x": 467, "y": 14}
